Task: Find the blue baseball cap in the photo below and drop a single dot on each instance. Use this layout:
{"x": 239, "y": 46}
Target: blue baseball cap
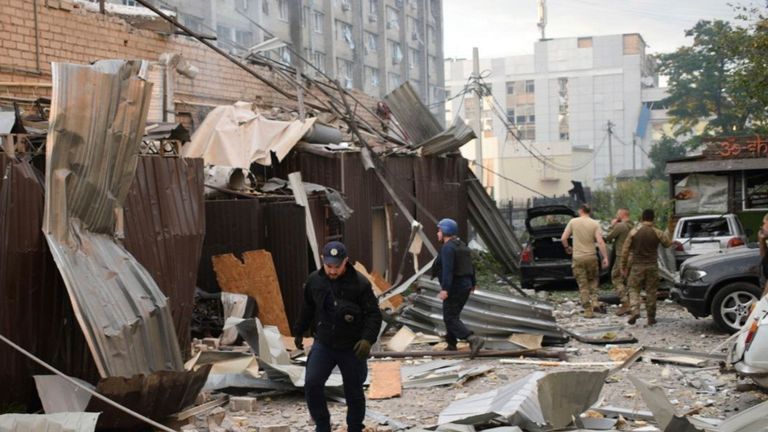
{"x": 334, "y": 253}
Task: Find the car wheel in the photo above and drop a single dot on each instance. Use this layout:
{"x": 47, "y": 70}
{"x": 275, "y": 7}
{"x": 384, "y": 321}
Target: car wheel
{"x": 732, "y": 303}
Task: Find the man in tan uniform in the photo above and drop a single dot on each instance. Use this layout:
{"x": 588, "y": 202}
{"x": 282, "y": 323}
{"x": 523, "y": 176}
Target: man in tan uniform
{"x": 586, "y": 232}
{"x": 642, "y": 243}
{"x": 620, "y": 228}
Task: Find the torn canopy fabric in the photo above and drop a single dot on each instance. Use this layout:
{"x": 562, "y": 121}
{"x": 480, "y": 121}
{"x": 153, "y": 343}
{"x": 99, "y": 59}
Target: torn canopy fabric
{"x": 98, "y": 114}
{"x": 235, "y": 136}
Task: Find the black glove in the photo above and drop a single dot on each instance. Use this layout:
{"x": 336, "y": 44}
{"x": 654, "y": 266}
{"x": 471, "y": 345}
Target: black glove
{"x": 362, "y": 349}
{"x": 298, "y": 340}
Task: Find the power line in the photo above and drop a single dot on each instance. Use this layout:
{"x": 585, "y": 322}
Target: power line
{"x": 503, "y": 177}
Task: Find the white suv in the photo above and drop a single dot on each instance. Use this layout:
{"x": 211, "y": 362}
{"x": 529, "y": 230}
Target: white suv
{"x": 696, "y": 235}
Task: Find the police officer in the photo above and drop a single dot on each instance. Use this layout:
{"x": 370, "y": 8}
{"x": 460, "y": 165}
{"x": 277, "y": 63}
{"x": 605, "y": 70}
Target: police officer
{"x": 341, "y": 307}
{"x": 620, "y": 228}
{"x": 642, "y": 243}
{"x": 453, "y": 268}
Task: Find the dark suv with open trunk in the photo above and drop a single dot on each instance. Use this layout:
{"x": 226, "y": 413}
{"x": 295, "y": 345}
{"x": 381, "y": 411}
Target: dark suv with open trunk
{"x": 543, "y": 259}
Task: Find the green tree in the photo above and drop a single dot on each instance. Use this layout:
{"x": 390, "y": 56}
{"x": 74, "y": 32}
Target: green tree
{"x": 717, "y": 85}
{"x": 636, "y": 195}
{"x": 664, "y": 150}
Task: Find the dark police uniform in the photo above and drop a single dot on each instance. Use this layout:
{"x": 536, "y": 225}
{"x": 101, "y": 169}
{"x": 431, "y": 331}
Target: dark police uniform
{"x": 341, "y": 312}
{"x": 453, "y": 268}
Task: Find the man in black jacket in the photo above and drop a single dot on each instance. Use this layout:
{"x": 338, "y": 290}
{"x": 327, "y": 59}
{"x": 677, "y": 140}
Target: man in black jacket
{"x": 340, "y": 306}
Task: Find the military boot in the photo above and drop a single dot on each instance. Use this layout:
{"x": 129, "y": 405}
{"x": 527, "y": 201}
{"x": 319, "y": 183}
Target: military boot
{"x": 451, "y": 347}
{"x": 633, "y": 318}
{"x": 475, "y": 343}
{"x": 651, "y": 321}
{"x": 622, "y": 310}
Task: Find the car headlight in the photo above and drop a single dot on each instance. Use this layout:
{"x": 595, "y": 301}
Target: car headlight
{"x": 693, "y": 275}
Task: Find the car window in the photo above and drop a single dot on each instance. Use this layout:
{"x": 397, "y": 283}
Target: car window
{"x": 705, "y": 228}
{"x": 550, "y": 220}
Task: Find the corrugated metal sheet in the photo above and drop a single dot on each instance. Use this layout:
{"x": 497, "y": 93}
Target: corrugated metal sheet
{"x": 490, "y": 224}
{"x": 413, "y": 116}
{"x": 97, "y": 121}
{"x": 156, "y": 396}
{"x": 35, "y": 311}
{"x": 420, "y": 125}
{"x": 164, "y": 230}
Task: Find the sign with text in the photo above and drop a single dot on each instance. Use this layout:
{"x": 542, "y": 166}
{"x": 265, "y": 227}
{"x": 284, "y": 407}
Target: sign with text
{"x": 743, "y": 147}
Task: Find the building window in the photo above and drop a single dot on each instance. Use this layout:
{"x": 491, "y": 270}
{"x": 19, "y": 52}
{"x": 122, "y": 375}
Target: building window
{"x": 318, "y": 22}
{"x": 529, "y": 86}
{"x": 282, "y": 6}
{"x": 511, "y": 115}
{"x": 318, "y": 60}
{"x": 344, "y": 72}
{"x": 265, "y": 7}
{"x": 129, "y": 2}
{"x": 345, "y": 5}
{"x": 562, "y": 115}
{"x": 755, "y": 191}
{"x": 344, "y": 33}
{"x": 525, "y": 114}
{"x": 394, "y": 80}
{"x": 223, "y": 36}
{"x": 284, "y": 55}
{"x": 244, "y": 38}
{"x": 510, "y": 87}
{"x": 397, "y": 53}
{"x": 373, "y": 6}
{"x": 305, "y": 14}
{"x": 393, "y": 19}
{"x": 372, "y": 76}
{"x": 371, "y": 43}
{"x": 193, "y": 23}
{"x": 528, "y": 132}
{"x": 414, "y": 58}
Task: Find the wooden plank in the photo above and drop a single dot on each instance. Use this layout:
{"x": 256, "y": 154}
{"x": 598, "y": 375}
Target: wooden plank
{"x": 385, "y": 380}
{"x": 380, "y": 286}
{"x": 401, "y": 340}
{"x": 255, "y": 277}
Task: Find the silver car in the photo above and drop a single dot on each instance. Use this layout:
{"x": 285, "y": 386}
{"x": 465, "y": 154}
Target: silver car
{"x": 696, "y": 235}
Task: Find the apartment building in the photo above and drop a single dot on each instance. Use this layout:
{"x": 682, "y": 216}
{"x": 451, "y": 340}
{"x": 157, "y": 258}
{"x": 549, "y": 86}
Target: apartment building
{"x": 371, "y": 45}
{"x": 560, "y": 102}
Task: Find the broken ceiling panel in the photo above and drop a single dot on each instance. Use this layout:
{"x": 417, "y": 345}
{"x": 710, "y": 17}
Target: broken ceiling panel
{"x": 235, "y": 136}
{"x": 420, "y": 125}
{"x": 98, "y": 117}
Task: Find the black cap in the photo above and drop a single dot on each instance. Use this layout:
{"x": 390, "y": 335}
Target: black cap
{"x": 334, "y": 253}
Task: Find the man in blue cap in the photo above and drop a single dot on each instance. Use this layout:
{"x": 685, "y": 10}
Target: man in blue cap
{"x": 340, "y": 306}
{"x": 456, "y": 273}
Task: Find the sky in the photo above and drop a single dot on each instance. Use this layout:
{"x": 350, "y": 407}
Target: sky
{"x": 508, "y": 27}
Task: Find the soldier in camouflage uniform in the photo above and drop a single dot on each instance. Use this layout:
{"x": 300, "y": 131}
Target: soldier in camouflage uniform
{"x": 642, "y": 243}
{"x": 620, "y": 228}
{"x": 586, "y": 232}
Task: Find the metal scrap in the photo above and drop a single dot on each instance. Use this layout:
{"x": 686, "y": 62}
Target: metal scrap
{"x": 422, "y": 128}
{"x": 537, "y": 400}
{"x": 486, "y": 218}
{"x": 92, "y": 153}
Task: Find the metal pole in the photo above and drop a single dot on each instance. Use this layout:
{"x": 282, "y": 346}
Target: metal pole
{"x": 610, "y": 149}
{"x": 479, "y": 117}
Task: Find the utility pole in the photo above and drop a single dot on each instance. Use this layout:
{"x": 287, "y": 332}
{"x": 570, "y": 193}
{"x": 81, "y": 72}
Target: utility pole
{"x": 610, "y": 149}
{"x": 479, "y": 118}
{"x": 634, "y": 143}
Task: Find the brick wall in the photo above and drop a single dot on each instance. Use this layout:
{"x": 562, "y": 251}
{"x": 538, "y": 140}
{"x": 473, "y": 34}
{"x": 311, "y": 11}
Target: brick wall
{"x": 74, "y": 35}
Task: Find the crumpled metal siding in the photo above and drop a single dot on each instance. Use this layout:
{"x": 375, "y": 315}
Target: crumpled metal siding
{"x": 490, "y": 224}
{"x": 164, "y": 230}
{"x": 35, "y": 311}
{"x": 97, "y": 120}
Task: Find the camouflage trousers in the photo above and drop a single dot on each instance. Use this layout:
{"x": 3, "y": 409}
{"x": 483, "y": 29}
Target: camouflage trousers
{"x": 618, "y": 282}
{"x": 643, "y": 276}
{"x": 585, "y": 271}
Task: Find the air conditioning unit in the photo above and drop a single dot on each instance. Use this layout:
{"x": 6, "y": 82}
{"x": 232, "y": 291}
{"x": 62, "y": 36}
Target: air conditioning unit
{"x": 372, "y": 18}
